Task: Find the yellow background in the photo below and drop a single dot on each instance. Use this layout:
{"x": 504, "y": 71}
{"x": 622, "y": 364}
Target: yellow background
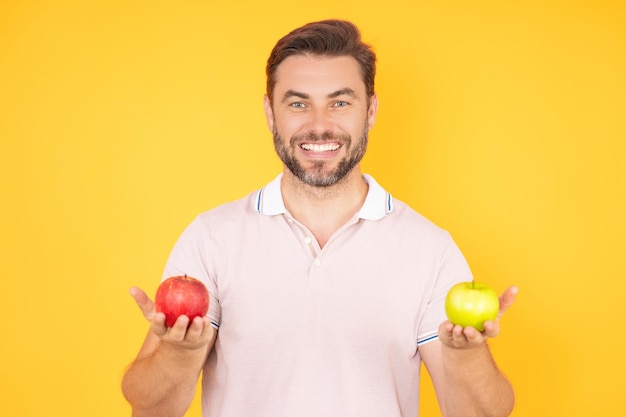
{"x": 502, "y": 121}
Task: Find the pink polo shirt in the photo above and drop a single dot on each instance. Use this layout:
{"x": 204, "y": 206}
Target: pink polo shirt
{"x": 320, "y": 332}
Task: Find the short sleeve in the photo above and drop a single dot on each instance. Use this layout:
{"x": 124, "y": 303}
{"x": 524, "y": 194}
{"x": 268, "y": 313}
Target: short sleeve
{"x": 191, "y": 256}
{"x": 453, "y": 268}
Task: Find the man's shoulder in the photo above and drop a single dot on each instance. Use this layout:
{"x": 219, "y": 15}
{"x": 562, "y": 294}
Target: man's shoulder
{"x": 408, "y": 217}
{"x": 231, "y": 209}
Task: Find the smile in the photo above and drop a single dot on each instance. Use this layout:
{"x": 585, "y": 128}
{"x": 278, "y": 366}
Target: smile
{"x": 320, "y": 147}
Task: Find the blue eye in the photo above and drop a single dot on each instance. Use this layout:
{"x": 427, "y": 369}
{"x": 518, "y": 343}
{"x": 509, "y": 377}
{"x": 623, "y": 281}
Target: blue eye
{"x": 297, "y": 105}
{"x": 341, "y": 104}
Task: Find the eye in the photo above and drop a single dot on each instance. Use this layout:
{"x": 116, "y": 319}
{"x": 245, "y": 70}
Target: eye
{"x": 341, "y": 103}
{"x": 297, "y": 105}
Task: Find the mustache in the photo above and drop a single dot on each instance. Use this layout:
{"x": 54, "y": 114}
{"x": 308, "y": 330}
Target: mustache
{"x": 319, "y": 137}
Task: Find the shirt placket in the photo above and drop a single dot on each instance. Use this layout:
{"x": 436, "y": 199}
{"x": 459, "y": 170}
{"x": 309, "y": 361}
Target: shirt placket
{"x": 311, "y": 246}
{"x": 306, "y": 238}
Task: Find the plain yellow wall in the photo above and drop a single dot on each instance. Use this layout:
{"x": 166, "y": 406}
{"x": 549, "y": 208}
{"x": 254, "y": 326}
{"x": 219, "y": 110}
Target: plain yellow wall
{"x": 502, "y": 121}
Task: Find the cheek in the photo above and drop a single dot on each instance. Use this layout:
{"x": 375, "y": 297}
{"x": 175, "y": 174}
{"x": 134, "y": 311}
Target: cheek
{"x": 287, "y": 127}
{"x": 358, "y": 125}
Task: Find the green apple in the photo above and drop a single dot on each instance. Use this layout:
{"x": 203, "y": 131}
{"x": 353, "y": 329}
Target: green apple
{"x": 472, "y": 304}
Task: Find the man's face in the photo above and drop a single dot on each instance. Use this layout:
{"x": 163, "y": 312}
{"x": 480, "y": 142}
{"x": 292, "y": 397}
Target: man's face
{"x": 320, "y": 117}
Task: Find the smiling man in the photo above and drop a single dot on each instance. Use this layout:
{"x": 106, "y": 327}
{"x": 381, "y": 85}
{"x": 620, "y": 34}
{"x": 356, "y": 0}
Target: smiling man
{"x": 327, "y": 293}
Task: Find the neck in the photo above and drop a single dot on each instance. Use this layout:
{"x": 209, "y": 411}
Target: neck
{"x": 324, "y": 209}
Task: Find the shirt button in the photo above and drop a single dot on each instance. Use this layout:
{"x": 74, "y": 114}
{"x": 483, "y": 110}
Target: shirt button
{"x": 307, "y": 240}
{"x": 316, "y": 262}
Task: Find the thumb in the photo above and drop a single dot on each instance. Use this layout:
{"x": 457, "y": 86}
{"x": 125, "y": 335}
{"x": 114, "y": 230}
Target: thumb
{"x": 507, "y": 299}
{"x": 144, "y": 302}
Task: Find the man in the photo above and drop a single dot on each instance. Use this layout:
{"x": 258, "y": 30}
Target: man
{"x": 326, "y": 293}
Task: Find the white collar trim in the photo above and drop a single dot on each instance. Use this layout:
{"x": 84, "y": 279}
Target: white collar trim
{"x": 378, "y": 202}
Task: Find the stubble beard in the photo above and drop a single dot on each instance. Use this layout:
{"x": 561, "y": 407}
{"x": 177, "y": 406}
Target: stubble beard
{"x": 319, "y": 175}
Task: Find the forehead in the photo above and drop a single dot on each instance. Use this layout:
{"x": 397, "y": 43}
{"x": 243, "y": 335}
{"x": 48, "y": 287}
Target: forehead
{"x": 323, "y": 74}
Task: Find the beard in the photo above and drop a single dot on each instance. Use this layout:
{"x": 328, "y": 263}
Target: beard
{"x": 319, "y": 175}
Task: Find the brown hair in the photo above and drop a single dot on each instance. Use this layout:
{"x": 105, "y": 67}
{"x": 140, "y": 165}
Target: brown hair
{"x": 324, "y": 38}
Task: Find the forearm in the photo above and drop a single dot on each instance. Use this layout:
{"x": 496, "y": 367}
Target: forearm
{"x": 475, "y": 386}
{"x": 163, "y": 384}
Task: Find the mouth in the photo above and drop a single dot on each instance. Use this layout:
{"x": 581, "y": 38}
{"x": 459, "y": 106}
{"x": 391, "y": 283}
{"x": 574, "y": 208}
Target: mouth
{"x": 320, "y": 147}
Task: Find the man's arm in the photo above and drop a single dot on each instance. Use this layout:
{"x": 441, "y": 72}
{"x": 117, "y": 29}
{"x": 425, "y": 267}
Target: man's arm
{"x": 466, "y": 378}
{"x": 162, "y": 380}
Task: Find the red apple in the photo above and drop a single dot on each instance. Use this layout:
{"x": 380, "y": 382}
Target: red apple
{"x": 472, "y": 304}
{"x": 181, "y": 295}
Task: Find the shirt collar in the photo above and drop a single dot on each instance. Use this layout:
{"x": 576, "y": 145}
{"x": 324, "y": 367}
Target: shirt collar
{"x": 378, "y": 202}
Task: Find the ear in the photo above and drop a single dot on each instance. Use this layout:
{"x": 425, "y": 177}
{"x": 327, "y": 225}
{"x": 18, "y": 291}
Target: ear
{"x": 269, "y": 113}
{"x": 372, "y": 111}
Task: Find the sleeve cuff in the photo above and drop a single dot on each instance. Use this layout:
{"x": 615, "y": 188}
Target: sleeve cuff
{"x": 427, "y": 339}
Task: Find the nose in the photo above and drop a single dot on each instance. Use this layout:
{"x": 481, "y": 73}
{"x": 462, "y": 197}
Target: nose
{"x": 320, "y": 120}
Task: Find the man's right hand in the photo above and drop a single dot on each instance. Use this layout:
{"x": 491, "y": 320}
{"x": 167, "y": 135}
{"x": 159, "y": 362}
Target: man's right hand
{"x": 196, "y": 335}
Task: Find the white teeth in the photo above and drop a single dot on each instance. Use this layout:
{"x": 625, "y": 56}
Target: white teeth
{"x": 320, "y": 147}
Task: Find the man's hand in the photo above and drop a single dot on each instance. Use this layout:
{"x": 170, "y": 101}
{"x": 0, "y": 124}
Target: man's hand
{"x": 459, "y": 337}
{"x": 196, "y": 335}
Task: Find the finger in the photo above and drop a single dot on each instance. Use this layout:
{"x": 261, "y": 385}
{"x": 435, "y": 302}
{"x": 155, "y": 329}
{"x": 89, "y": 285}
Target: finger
{"x": 179, "y": 329}
{"x": 492, "y": 328}
{"x": 194, "y": 332}
{"x": 144, "y": 302}
{"x": 473, "y": 335}
{"x": 445, "y": 331}
{"x": 464, "y": 337}
{"x": 507, "y": 299}
{"x": 457, "y": 334}
{"x": 157, "y": 325}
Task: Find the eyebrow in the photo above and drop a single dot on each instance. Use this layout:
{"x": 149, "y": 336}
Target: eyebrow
{"x": 343, "y": 92}
{"x": 293, "y": 93}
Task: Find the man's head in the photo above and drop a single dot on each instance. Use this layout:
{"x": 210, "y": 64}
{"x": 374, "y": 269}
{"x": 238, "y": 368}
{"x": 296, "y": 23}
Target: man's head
{"x": 321, "y": 103}
{"x": 327, "y": 38}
